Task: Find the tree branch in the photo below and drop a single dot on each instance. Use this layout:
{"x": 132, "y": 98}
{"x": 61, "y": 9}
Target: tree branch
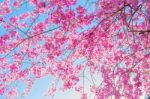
{"x": 140, "y": 31}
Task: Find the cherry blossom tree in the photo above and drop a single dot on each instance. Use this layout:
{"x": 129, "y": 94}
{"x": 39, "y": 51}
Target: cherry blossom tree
{"x": 103, "y": 42}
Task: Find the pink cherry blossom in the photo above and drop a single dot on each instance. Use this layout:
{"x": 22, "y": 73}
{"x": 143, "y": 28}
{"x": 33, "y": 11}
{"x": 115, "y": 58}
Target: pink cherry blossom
{"x": 98, "y": 47}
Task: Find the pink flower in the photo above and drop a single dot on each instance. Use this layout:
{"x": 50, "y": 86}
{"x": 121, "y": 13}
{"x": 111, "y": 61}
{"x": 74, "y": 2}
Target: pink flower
{"x": 81, "y": 10}
{"x": 2, "y": 90}
{"x": 16, "y": 4}
{"x": 121, "y": 35}
{"x": 13, "y": 68}
{"x": 68, "y": 84}
{"x": 13, "y": 33}
{"x": 42, "y": 5}
{"x": 25, "y": 15}
{"x": 84, "y": 96}
{"x": 52, "y": 90}
{"x": 14, "y": 20}
{"x": 138, "y": 84}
